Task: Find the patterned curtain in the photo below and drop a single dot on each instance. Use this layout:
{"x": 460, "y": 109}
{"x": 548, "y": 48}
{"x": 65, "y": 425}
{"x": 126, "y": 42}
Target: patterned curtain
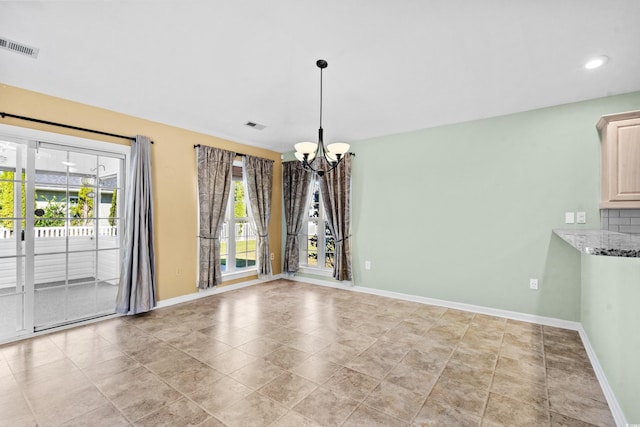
{"x": 258, "y": 174}
{"x": 214, "y": 185}
{"x": 295, "y": 181}
{"x": 137, "y": 287}
{"x": 335, "y": 187}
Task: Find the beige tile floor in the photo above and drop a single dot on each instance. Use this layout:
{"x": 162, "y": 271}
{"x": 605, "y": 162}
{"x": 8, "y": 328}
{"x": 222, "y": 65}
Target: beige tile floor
{"x": 291, "y": 354}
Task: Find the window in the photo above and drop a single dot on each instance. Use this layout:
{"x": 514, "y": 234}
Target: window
{"x": 317, "y": 245}
{"x": 238, "y": 236}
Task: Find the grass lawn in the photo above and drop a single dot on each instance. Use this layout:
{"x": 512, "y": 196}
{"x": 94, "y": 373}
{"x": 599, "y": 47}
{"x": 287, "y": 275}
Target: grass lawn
{"x": 245, "y": 253}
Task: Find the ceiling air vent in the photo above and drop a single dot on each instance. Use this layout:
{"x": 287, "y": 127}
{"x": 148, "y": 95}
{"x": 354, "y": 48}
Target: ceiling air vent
{"x": 18, "y": 47}
{"x": 255, "y": 125}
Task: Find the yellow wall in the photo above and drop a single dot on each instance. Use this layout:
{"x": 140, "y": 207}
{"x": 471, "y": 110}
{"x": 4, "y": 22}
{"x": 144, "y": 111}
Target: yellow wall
{"x": 174, "y": 177}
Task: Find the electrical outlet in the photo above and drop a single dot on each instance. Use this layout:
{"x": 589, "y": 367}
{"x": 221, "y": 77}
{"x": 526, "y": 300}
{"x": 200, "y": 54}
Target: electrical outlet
{"x": 581, "y": 217}
{"x": 367, "y": 265}
{"x": 533, "y": 284}
{"x": 272, "y": 256}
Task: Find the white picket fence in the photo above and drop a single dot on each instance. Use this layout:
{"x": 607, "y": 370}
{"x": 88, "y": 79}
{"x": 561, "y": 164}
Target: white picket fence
{"x": 243, "y": 230}
{"x": 89, "y": 257}
{"x": 73, "y": 231}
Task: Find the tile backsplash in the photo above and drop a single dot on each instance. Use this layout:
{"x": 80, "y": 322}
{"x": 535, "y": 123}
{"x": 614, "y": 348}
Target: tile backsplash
{"x": 620, "y": 220}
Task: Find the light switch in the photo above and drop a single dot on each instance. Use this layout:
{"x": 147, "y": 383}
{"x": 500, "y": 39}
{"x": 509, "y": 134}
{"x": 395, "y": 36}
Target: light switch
{"x": 569, "y": 218}
{"x": 581, "y": 217}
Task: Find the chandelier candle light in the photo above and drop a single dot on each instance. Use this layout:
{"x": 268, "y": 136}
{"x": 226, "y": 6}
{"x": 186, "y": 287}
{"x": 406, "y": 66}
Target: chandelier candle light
{"x": 310, "y": 152}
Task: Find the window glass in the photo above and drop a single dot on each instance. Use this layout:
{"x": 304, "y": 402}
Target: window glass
{"x": 317, "y": 245}
{"x": 238, "y": 236}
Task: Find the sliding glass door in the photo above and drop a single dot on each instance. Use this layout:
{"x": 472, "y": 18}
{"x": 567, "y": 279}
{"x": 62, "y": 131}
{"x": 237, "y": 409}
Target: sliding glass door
{"x": 60, "y": 237}
{"x": 76, "y": 234}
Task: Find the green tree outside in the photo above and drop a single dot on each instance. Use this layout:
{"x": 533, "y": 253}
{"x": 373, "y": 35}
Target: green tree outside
{"x": 7, "y": 199}
{"x": 54, "y": 213}
{"x": 83, "y": 211}
{"x": 239, "y": 208}
{"x": 113, "y": 211}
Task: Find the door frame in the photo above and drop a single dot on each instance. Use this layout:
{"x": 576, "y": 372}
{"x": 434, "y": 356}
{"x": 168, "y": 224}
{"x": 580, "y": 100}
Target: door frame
{"x": 30, "y": 137}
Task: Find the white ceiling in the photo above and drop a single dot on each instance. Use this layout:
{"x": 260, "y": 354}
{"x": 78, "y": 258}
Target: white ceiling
{"x": 394, "y": 66}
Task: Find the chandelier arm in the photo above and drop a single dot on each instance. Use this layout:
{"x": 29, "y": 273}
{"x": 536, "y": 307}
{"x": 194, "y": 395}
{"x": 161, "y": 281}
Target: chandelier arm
{"x": 307, "y": 165}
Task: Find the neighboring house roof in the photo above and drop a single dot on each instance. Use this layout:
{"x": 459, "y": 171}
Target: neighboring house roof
{"x": 59, "y": 179}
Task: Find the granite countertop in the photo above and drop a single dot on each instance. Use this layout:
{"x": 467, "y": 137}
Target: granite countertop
{"x": 602, "y": 242}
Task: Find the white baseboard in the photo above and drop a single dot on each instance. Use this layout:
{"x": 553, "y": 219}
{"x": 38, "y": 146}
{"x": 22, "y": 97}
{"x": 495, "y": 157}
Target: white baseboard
{"x": 322, "y": 282}
{"x": 202, "y": 293}
{"x": 614, "y": 406}
{"x": 531, "y": 318}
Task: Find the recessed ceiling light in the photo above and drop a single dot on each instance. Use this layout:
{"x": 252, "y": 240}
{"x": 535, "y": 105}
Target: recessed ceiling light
{"x": 596, "y": 62}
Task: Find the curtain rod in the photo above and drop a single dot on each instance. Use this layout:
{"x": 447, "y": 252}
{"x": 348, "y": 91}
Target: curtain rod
{"x": 242, "y": 155}
{"x": 237, "y": 154}
{"x": 45, "y": 122}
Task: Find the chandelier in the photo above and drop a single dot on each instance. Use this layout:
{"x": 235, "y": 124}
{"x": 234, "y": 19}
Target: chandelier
{"x": 314, "y": 156}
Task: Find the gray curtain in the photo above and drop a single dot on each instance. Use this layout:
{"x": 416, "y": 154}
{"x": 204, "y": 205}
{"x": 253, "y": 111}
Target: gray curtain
{"x": 335, "y": 187}
{"x": 137, "y": 288}
{"x": 214, "y": 185}
{"x": 295, "y": 182}
{"x": 258, "y": 175}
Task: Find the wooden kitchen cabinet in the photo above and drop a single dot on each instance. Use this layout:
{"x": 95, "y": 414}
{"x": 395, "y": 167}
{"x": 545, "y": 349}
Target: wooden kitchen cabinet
{"x": 620, "y": 138}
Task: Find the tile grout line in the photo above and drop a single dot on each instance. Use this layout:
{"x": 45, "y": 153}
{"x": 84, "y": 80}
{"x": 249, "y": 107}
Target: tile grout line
{"x": 224, "y": 375}
{"x": 178, "y": 391}
{"x": 439, "y": 373}
{"x": 493, "y": 373}
{"x": 147, "y": 333}
{"x": 67, "y": 358}
{"x": 362, "y": 402}
{"x": 392, "y": 368}
{"x": 22, "y": 393}
{"x": 93, "y": 384}
{"x": 386, "y": 375}
{"x": 546, "y": 379}
{"x": 346, "y": 367}
{"x": 444, "y": 365}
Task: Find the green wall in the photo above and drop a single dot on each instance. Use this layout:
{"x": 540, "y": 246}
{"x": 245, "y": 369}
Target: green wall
{"x": 465, "y": 212}
{"x": 611, "y": 320}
